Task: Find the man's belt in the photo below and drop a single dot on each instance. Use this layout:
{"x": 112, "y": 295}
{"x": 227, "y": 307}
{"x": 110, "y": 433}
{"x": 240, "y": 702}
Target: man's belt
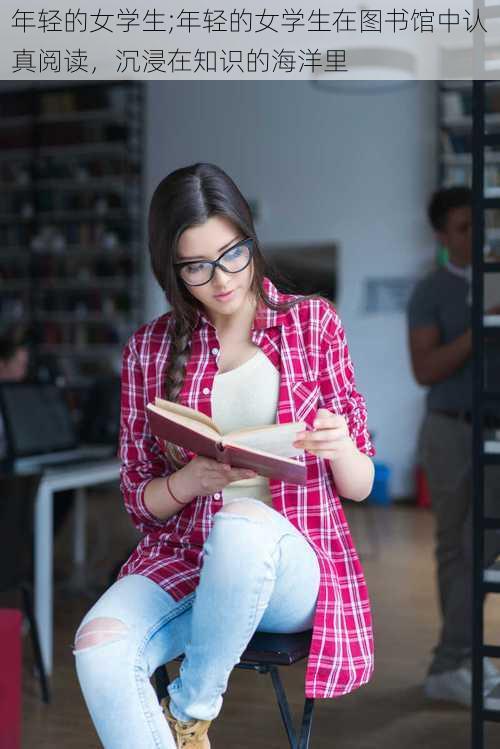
{"x": 458, "y": 415}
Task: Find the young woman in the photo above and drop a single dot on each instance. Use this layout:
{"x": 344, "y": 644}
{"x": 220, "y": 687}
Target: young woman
{"x": 226, "y": 552}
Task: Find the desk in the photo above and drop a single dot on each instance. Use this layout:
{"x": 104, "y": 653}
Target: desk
{"x": 54, "y": 479}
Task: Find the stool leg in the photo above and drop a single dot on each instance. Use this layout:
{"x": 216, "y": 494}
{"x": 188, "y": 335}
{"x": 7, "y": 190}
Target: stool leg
{"x": 161, "y": 682}
{"x": 283, "y": 706}
{"x": 305, "y": 729}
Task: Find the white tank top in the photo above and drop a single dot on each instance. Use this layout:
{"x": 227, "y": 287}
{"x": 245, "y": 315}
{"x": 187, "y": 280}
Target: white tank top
{"x": 246, "y": 396}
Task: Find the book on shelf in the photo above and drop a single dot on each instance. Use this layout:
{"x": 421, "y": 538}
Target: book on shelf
{"x": 267, "y": 450}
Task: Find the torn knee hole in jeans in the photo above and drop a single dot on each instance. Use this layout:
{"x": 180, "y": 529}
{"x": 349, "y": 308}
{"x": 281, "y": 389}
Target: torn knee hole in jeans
{"x": 99, "y": 631}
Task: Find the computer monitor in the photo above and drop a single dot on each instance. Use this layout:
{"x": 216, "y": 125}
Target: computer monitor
{"x": 36, "y": 419}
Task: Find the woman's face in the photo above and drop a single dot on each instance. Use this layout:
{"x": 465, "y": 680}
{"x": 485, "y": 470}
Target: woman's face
{"x": 208, "y": 242}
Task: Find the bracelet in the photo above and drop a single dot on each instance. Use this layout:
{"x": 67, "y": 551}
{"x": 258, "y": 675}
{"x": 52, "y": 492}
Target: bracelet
{"x": 172, "y": 494}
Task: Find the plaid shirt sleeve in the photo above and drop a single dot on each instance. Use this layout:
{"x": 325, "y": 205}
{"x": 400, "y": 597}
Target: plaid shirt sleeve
{"x": 338, "y": 385}
{"x": 142, "y": 459}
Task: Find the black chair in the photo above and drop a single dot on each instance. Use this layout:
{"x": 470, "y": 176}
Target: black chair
{"x": 101, "y": 412}
{"x": 264, "y": 653}
{"x": 17, "y": 499}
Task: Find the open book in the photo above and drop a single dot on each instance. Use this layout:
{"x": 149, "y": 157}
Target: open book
{"x": 267, "y": 450}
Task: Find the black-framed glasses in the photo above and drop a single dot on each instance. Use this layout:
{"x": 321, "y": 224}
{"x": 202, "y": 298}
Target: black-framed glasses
{"x": 232, "y": 260}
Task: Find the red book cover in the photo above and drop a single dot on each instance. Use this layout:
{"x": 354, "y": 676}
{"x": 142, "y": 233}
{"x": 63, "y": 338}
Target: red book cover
{"x": 196, "y": 432}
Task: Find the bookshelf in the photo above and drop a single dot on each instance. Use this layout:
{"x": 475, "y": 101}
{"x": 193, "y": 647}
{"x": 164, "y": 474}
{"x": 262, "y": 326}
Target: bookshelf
{"x": 70, "y": 221}
{"x": 455, "y": 107}
{"x": 485, "y": 438}
{"x": 455, "y": 128}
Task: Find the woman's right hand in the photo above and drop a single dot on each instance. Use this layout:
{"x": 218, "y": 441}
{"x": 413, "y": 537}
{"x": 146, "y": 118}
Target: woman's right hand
{"x": 206, "y": 476}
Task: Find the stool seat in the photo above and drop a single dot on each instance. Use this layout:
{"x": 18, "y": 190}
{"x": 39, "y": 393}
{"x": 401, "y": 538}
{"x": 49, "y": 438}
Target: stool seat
{"x": 277, "y": 649}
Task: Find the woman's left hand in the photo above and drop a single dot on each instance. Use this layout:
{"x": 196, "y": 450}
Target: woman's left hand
{"x": 330, "y": 438}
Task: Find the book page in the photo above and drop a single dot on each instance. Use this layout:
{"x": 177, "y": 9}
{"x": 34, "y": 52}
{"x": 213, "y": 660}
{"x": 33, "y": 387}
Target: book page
{"x": 186, "y": 412}
{"x": 195, "y": 425}
{"x": 276, "y": 439}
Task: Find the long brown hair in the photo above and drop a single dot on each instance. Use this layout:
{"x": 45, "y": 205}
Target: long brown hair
{"x": 189, "y": 197}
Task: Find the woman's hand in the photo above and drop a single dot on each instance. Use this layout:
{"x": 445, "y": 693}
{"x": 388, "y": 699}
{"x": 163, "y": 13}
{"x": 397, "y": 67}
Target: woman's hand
{"x": 330, "y": 438}
{"x": 205, "y": 476}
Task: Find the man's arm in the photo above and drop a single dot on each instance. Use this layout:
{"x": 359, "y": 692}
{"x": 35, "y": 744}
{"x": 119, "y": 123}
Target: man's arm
{"x": 432, "y": 361}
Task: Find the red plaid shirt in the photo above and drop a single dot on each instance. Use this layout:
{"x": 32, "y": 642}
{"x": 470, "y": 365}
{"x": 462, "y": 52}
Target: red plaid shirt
{"x": 307, "y": 345}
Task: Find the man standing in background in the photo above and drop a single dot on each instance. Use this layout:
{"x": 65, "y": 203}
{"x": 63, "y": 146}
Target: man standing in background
{"x": 440, "y": 340}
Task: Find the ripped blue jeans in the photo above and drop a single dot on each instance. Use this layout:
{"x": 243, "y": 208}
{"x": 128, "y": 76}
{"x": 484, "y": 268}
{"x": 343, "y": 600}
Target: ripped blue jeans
{"x": 259, "y": 574}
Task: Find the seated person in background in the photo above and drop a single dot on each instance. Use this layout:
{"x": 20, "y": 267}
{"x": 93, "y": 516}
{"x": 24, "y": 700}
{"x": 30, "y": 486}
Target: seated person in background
{"x": 14, "y": 359}
{"x": 14, "y": 367}
{"x": 439, "y": 319}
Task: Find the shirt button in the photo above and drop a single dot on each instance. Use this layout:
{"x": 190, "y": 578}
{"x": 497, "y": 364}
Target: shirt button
{"x": 217, "y": 496}
{"x": 215, "y": 351}
{"x": 206, "y": 391}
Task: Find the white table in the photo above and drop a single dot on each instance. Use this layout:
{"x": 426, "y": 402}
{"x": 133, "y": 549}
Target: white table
{"x": 55, "y": 479}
